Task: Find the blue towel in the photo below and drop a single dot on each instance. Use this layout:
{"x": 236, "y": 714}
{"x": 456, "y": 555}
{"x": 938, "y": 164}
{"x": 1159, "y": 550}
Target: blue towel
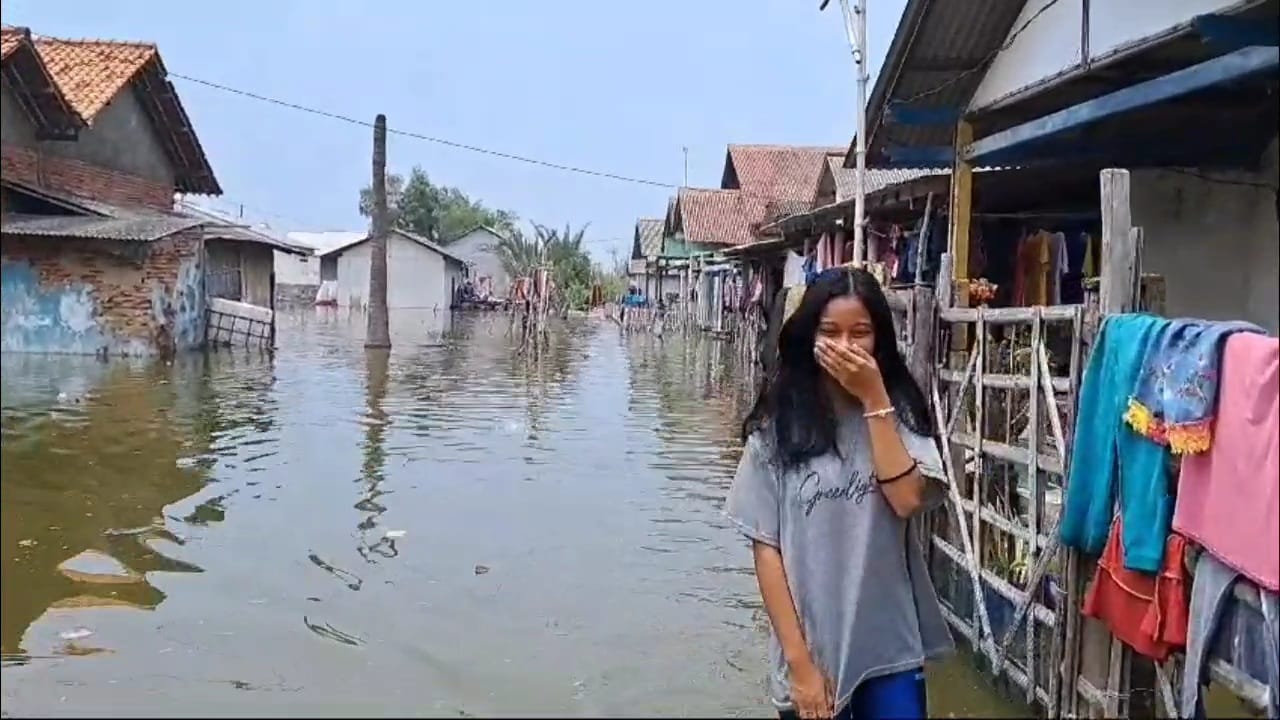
{"x": 1110, "y": 457}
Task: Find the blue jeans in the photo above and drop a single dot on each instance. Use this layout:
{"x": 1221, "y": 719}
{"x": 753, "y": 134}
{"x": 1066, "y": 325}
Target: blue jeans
{"x": 900, "y": 696}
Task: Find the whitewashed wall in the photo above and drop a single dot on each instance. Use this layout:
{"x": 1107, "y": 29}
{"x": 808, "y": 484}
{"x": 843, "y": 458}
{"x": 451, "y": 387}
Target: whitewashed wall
{"x": 1217, "y": 244}
{"x": 296, "y": 269}
{"x": 416, "y": 276}
{"x": 1053, "y": 43}
{"x": 479, "y": 248}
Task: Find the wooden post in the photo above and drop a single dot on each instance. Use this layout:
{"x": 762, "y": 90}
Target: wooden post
{"x": 1119, "y": 253}
{"x": 921, "y": 253}
{"x": 961, "y": 214}
{"x": 377, "y": 332}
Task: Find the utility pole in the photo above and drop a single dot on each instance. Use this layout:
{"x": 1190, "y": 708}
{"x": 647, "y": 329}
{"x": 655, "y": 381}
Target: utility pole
{"x": 378, "y": 333}
{"x": 855, "y": 27}
{"x": 686, "y": 165}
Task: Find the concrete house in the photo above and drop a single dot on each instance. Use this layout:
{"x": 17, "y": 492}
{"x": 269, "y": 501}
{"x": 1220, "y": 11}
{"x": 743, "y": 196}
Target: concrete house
{"x": 421, "y": 275}
{"x": 298, "y": 277}
{"x": 478, "y": 248}
{"x": 94, "y": 144}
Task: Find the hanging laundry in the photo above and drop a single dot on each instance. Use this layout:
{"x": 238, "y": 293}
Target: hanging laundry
{"x": 1211, "y": 590}
{"x": 1109, "y": 457}
{"x": 1147, "y": 612}
{"x": 793, "y": 270}
{"x": 1031, "y": 276}
{"x": 1058, "y": 266}
{"x": 1174, "y": 399}
{"x": 822, "y": 253}
{"x": 1229, "y": 497}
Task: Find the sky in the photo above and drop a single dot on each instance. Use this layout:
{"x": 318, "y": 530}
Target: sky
{"x": 619, "y": 87}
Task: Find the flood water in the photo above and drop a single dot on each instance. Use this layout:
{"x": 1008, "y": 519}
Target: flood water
{"x": 450, "y": 530}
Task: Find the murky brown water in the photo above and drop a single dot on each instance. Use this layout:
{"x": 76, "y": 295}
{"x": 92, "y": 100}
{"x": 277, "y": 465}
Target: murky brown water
{"x": 450, "y": 530}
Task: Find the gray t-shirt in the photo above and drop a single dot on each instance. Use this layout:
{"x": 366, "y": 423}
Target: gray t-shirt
{"x": 859, "y": 580}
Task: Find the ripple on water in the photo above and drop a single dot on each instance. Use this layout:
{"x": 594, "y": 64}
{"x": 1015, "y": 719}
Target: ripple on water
{"x": 360, "y": 492}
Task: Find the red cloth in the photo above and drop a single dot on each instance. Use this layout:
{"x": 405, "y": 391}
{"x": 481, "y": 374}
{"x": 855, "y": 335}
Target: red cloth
{"x": 1148, "y": 613}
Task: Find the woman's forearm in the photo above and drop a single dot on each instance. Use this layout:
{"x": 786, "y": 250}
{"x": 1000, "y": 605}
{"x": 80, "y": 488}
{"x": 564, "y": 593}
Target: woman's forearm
{"x": 905, "y": 493}
{"x": 772, "y": 577}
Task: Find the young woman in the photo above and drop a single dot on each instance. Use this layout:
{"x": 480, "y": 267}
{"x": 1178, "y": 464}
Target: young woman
{"x": 839, "y": 454}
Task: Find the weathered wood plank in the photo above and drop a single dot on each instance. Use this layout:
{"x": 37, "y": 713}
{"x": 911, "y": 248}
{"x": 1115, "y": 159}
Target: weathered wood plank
{"x": 1002, "y": 381}
{"x": 1008, "y": 315}
{"x": 1010, "y": 453}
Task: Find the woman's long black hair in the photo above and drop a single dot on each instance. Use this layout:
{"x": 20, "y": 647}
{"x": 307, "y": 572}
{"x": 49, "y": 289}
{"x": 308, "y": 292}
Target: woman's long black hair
{"x": 793, "y": 404}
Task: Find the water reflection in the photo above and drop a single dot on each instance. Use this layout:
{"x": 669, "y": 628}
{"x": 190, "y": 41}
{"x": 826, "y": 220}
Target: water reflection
{"x": 449, "y": 528}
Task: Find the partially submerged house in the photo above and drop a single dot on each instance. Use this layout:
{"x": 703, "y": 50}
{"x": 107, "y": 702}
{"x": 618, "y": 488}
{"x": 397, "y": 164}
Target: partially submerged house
{"x": 421, "y": 275}
{"x": 298, "y": 277}
{"x": 479, "y": 248}
{"x": 93, "y": 146}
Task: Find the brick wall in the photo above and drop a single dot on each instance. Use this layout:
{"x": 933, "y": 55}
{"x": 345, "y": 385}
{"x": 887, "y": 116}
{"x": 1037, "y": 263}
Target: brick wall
{"x": 80, "y": 178}
{"x": 98, "y": 297}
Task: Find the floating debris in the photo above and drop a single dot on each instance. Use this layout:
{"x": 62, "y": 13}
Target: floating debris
{"x": 394, "y": 534}
{"x": 482, "y": 569}
{"x": 76, "y": 634}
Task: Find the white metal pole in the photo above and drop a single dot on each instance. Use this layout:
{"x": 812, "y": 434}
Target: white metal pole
{"x": 855, "y": 24}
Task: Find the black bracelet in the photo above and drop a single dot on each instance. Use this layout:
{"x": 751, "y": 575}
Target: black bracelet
{"x": 900, "y": 475}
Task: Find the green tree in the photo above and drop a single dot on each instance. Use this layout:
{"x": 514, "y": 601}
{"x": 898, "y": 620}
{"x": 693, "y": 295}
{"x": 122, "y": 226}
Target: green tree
{"x": 437, "y": 212}
{"x": 562, "y": 251}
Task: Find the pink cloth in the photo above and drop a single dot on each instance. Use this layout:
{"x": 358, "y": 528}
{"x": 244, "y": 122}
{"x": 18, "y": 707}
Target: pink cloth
{"x": 1229, "y": 497}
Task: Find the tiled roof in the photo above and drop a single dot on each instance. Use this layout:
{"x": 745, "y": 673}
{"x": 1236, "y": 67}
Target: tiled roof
{"x": 649, "y": 236}
{"x": 137, "y": 228}
{"x": 92, "y": 72}
{"x": 34, "y": 88}
{"x": 846, "y": 179}
{"x": 10, "y": 39}
{"x": 778, "y": 172}
{"x": 719, "y": 217}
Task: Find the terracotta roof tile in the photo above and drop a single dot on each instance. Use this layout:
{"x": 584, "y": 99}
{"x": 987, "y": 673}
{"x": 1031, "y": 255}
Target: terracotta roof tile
{"x": 719, "y": 217}
{"x": 10, "y": 39}
{"x": 92, "y": 72}
{"x": 779, "y": 172}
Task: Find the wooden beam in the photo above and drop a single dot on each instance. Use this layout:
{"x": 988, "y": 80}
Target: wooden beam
{"x": 1119, "y": 256}
{"x": 1232, "y": 66}
{"x": 961, "y": 215}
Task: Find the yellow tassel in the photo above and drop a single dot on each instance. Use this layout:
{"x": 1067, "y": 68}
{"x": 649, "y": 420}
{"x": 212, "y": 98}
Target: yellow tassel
{"x": 1142, "y": 420}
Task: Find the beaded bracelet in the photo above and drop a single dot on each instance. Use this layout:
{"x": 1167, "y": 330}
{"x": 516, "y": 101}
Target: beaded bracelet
{"x": 883, "y": 412}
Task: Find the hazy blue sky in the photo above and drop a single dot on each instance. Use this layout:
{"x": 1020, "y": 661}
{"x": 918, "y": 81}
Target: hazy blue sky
{"x": 608, "y": 85}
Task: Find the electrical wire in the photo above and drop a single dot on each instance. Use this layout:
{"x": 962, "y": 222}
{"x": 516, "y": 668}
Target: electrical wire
{"x": 1013, "y": 37}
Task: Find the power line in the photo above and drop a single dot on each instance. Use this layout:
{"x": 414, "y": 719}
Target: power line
{"x": 422, "y": 136}
{"x": 982, "y": 63}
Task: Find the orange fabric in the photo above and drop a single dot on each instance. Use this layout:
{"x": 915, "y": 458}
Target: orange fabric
{"x": 1031, "y": 279}
{"x": 1148, "y": 613}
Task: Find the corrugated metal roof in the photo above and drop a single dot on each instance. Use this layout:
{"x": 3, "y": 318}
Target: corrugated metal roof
{"x": 136, "y": 228}
{"x": 846, "y": 179}
{"x": 404, "y": 234}
{"x": 936, "y": 60}
{"x": 323, "y": 242}
{"x": 225, "y": 228}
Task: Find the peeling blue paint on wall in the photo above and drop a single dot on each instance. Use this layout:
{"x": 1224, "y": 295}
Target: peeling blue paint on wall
{"x": 37, "y": 319}
{"x": 183, "y": 309}
{"x": 67, "y": 319}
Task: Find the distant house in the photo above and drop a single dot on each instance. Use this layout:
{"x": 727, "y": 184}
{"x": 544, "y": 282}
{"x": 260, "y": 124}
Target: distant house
{"x": 478, "y": 248}
{"x": 94, "y": 143}
{"x": 420, "y": 274}
{"x": 298, "y": 277}
{"x": 240, "y": 259}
